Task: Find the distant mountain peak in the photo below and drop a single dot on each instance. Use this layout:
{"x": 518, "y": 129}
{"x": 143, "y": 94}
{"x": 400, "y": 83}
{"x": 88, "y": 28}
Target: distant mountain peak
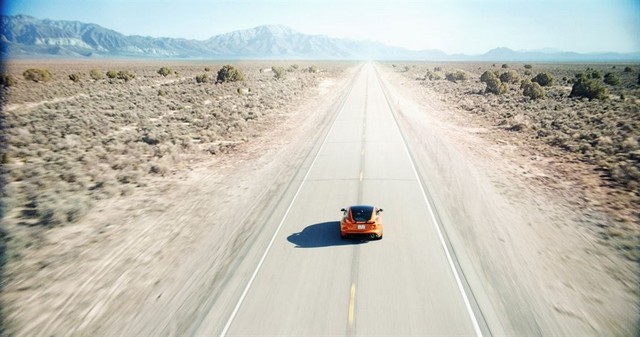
{"x": 500, "y": 51}
{"x": 264, "y": 31}
{"x": 276, "y": 29}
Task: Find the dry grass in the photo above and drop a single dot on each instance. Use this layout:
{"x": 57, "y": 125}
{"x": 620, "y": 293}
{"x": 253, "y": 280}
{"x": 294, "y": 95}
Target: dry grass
{"x": 604, "y": 135}
{"x": 73, "y": 140}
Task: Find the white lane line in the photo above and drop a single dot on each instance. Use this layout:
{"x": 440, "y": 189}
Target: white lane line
{"x": 284, "y": 217}
{"x": 352, "y": 302}
{"x": 437, "y": 225}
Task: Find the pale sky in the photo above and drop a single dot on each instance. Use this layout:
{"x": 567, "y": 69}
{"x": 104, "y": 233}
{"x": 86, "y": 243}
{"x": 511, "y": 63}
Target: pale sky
{"x": 453, "y": 26}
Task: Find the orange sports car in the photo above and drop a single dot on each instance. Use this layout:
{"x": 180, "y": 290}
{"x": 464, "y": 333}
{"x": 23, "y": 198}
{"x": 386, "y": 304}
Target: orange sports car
{"x": 361, "y": 221}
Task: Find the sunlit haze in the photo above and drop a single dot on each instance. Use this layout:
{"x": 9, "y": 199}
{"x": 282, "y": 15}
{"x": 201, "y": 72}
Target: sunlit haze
{"x": 454, "y": 26}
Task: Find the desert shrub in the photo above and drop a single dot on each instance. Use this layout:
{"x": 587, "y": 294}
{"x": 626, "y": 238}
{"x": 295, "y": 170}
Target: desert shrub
{"x": 495, "y": 86}
{"x": 431, "y": 76}
{"x": 37, "y": 75}
{"x": 589, "y": 88}
{"x": 527, "y": 72}
{"x": 125, "y": 75}
{"x": 162, "y": 92}
{"x": 51, "y": 211}
{"x": 229, "y": 73}
{"x": 457, "y": 76}
{"x": 6, "y": 80}
{"x": 532, "y": 90}
{"x": 611, "y": 79}
{"x": 75, "y": 77}
{"x": 626, "y": 173}
{"x": 596, "y": 75}
{"x": 76, "y": 208}
{"x": 165, "y": 71}
{"x": 505, "y": 66}
{"x": 628, "y": 69}
{"x": 112, "y": 74}
{"x": 278, "y": 72}
{"x": 158, "y": 169}
{"x": 437, "y": 68}
{"x": 152, "y": 138}
{"x": 204, "y": 78}
{"x": 487, "y": 75}
{"x": 510, "y": 76}
{"x": 95, "y": 74}
{"x": 207, "y": 69}
{"x": 294, "y": 67}
{"x": 527, "y": 66}
{"x": 638, "y": 78}
{"x": 544, "y": 79}
{"x": 312, "y": 69}
{"x": 50, "y": 215}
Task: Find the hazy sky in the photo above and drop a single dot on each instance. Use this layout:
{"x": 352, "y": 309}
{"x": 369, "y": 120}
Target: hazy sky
{"x": 454, "y": 26}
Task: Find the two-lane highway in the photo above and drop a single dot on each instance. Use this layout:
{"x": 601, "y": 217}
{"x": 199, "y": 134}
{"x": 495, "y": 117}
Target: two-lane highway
{"x": 311, "y": 282}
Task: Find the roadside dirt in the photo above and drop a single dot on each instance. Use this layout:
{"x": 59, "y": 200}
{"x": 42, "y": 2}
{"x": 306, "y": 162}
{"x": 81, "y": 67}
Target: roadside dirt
{"x": 141, "y": 264}
{"x": 516, "y": 220}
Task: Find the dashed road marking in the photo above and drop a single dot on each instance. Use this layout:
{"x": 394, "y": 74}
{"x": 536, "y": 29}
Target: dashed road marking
{"x": 352, "y": 302}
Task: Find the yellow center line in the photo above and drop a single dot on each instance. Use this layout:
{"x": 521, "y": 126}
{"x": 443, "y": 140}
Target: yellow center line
{"x": 352, "y": 299}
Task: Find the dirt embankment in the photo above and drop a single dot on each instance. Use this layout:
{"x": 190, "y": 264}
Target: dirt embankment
{"x": 534, "y": 227}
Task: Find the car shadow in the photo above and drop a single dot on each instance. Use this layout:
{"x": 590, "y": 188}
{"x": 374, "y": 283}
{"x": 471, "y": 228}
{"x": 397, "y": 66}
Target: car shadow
{"x": 324, "y": 234}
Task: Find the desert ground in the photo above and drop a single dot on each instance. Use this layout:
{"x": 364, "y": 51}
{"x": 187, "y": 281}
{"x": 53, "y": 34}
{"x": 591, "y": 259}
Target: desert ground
{"x": 591, "y": 145}
{"x": 131, "y": 200}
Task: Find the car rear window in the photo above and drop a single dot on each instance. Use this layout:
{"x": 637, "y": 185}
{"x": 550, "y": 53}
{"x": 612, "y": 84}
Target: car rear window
{"x": 361, "y": 213}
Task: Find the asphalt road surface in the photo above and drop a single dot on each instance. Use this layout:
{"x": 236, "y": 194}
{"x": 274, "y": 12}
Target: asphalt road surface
{"x": 306, "y": 280}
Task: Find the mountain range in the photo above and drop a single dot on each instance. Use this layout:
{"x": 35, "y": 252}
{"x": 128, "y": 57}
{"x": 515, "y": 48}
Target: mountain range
{"x": 28, "y": 37}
